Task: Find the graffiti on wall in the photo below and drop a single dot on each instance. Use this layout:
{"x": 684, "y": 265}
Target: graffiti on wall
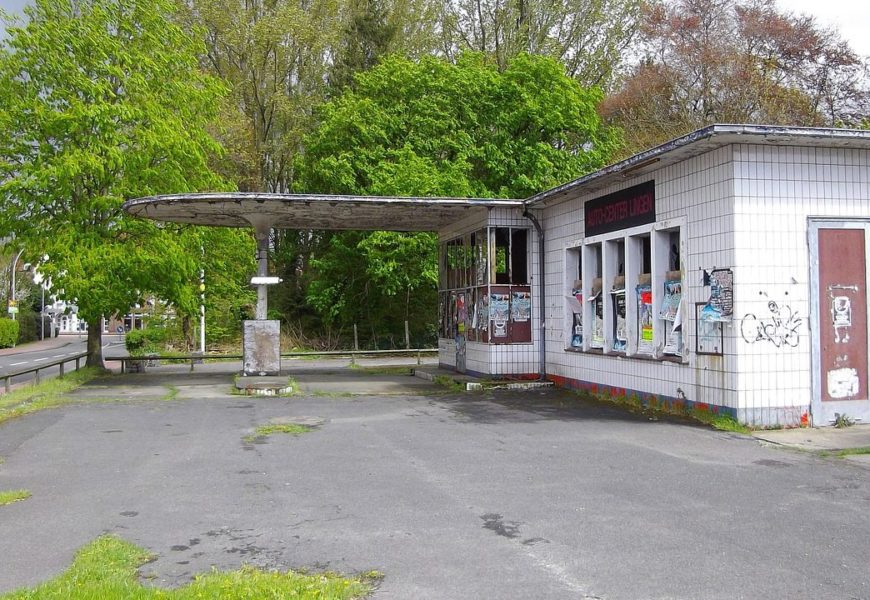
{"x": 841, "y": 311}
{"x": 780, "y": 327}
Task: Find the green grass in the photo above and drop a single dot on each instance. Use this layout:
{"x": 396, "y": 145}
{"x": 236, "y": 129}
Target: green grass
{"x": 448, "y": 382}
{"x": 11, "y": 496}
{"x": 171, "y": 392}
{"x": 397, "y": 370}
{"x": 47, "y": 394}
{"x": 273, "y": 428}
{"x": 106, "y": 569}
{"x": 851, "y": 451}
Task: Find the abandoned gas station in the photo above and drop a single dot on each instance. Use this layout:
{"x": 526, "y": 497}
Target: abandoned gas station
{"x": 725, "y": 270}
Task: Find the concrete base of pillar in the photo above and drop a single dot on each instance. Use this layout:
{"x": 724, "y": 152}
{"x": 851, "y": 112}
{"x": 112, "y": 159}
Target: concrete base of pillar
{"x": 261, "y": 347}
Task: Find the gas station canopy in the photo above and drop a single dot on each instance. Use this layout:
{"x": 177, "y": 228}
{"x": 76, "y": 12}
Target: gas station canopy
{"x": 306, "y": 211}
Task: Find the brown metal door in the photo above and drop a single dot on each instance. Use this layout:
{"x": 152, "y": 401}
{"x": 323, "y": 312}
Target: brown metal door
{"x": 842, "y": 317}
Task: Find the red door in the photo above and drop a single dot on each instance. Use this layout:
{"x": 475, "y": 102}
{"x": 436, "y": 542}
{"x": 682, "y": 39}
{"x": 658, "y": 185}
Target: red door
{"x": 842, "y": 318}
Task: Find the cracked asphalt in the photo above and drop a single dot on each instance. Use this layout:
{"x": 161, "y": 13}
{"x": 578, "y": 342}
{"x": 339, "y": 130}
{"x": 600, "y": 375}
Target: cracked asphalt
{"x": 511, "y": 494}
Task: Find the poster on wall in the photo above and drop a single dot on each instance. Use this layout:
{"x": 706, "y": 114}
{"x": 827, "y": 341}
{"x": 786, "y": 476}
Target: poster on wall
{"x": 709, "y": 333}
{"x": 620, "y": 334}
{"x": 577, "y": 331}
{"x": 671, "y": 312}
{"x": 461, "y": 314}
{"x": 499, "y": 313}
{"x": 722, "y": 292}
{"x": 483, "y": 312}
{"x": 521, "y": 306}
{"x": 597, "y": 338}
{"x": 644, "y": 319}
{"x": 575, "y": 303}
{"x": 720, "y": 306}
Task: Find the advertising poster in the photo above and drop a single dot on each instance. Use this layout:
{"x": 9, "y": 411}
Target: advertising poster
{"x": 671, "y": 312}
{"x": 521, "y": 306}
{"x": 461, "y": 313}
{"x": 499, "y": 313}
{"x": 483, "y": 312}
{"x": 620, "y": 337}
{"x": 597, "y": 339}
{"x": 644, "y": 319}
{"x": 577, "y": 331}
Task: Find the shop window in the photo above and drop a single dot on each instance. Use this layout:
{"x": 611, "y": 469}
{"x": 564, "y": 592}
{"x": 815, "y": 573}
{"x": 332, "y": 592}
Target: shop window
{"x": 483, "y": 295}
{"x": 643, "y": 298}
{"x": 510, "y": 256}
{"x": 624, "y": 294}
{"x": 670, "y": 304}
{"x": 574, "y": 272}
{"x": 616, "y": 279}
{"x": 595, "y": 303}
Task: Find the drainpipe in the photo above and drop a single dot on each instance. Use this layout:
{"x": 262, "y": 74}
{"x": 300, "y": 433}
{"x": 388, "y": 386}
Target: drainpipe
{"x": 542, "y": 341}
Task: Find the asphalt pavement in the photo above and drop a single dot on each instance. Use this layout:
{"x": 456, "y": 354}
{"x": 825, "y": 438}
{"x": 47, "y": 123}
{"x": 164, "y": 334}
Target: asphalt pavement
{"x": 506, "y": 494}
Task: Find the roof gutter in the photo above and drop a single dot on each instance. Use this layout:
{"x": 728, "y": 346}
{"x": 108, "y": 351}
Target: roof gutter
{"x": 542, "y": 304}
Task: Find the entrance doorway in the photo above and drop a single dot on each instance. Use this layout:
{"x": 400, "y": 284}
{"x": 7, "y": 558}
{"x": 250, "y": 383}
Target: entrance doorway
{"x": 838, "y": 295}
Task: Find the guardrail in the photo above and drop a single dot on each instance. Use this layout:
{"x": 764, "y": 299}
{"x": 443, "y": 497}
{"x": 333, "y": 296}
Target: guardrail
{"x": 199, "y": 358}
{"x": 7, "y": 377}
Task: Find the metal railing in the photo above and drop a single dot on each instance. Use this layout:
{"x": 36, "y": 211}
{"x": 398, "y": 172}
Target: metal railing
{"x": 77, "y": 358}
{"x": 199, "y": 358}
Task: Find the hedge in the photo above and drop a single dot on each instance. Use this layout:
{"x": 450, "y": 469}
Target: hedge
{"x": 8, "y": 333}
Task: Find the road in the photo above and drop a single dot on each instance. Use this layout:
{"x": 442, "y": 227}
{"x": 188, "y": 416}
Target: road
{"x": 31, "y": 355}
{"x": 497, "y": 495}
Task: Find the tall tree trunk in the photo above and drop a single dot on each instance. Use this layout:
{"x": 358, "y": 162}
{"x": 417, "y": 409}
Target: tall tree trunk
{"x": 95, "y": 344}
{"x": 186, "y": 332}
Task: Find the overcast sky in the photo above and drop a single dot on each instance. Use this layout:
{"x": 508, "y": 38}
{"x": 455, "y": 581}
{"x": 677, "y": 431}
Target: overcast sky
{"x": 851, "y": 17}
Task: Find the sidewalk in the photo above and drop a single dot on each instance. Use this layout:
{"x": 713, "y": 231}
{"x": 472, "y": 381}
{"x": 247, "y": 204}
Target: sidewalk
{"x": 821, "y": 439}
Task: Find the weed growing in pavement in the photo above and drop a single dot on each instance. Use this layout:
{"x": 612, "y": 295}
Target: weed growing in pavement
{"x": 853, "y": 451}
{"x": 11, "y": 496}
{"x": 448, "y": 382}
{"x": 108, "y": 568}
{"x": 267, "y": 430}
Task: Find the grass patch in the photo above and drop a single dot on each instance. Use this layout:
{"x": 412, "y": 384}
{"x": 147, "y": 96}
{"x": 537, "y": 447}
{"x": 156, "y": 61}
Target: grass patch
{"x": 107, "y": 568}
{"x": 273, "y": 428}
{"x": 853, "y": 451}
{"x": 171, "y": 393}
{"x": 11, "y": 496}
{"x": 448, "y": 382}
{"x": 720, "y": 422}
{"x": 656, "y": 408}
{"x": 47, "y": 394}
{"x": 397, "y": 370}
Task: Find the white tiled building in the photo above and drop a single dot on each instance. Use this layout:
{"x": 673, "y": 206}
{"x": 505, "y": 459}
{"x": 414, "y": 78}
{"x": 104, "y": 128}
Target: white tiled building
{"x": 751, "y": 239}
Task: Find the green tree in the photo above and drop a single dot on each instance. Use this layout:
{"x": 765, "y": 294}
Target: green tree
{"x": 589, "y": 37}
{"x": 432, "y": 128}
{"x": 102, "y": 101}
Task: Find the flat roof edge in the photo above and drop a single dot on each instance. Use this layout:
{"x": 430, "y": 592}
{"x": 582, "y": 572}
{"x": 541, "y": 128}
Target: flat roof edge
{"x": 711, "y": 131}
{"x": 310, "y": 198}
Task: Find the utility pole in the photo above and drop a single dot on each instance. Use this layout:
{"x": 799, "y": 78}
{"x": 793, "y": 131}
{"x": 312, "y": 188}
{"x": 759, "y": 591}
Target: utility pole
{"x": 12, "y": 304}
{"x": 202, "y": 303}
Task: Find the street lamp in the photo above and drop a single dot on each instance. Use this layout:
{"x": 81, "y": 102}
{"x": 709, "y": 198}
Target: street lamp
{"x": 12, "y": 291}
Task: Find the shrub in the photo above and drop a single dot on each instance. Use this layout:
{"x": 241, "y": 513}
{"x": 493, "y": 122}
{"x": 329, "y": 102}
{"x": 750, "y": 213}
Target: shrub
{"x": 8, "y": 333}
{"x": 135, "y": 341}
{"x": 145, "y": 341}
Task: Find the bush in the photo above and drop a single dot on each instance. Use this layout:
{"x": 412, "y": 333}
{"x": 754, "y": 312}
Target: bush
{"x": 146, "y": 341}
{"x": 28, "y": 325}
{"x": 8, "y": 333}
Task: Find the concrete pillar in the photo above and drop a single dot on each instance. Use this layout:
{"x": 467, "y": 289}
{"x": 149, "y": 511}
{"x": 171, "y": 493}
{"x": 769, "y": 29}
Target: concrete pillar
{"x": 262, "y": 271}
{"x": 261, "y": 338}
